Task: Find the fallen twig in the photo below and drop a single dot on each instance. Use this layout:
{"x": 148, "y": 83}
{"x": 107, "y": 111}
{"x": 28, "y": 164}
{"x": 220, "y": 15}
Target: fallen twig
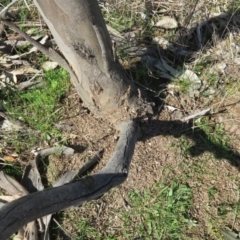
{"x": 18, "y": 213}
{"x": 51, "y": 53}
{"x": 4, "y": 10}
{"x": 196, "y": 115}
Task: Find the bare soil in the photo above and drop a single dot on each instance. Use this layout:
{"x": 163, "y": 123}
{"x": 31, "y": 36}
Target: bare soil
{"x": 159, "y": 155}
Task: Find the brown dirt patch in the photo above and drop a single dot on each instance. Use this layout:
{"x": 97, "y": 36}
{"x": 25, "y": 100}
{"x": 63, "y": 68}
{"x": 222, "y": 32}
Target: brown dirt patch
{"x": 166, "y": 151}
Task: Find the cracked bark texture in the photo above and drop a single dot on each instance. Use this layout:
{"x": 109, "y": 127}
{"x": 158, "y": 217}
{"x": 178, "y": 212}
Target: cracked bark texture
{"x": 82, "y": 37}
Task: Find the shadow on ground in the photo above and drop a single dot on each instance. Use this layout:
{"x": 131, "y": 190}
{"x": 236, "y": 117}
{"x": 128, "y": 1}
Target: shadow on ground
{"x": 200, "y": 140}
{"x": 188, "y": 39}
{"x": 188, "y": 42}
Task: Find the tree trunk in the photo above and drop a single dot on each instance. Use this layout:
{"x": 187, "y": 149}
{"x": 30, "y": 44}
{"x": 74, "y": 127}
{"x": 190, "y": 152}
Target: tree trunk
{"x": 82, "y": 37}
{"x": 83, "y": 40}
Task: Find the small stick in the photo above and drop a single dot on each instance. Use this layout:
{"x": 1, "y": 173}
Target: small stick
{"x": 51, "y": 53}
{"x": 3, "y": 12}
{"x": 27, "y": 5}
{"x": 62, "y": 229}
{"x": 195, "y": 115}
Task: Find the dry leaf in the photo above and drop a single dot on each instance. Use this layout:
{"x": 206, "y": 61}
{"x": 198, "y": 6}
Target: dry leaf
{"x": 143, "y": 16}
{"x": 219, "y": 67}
{"x": 19, "y": 235}
{"x": 4, "y": 62}
{"x": 191, "y": 76}
{"x": 8, "y": 63}
{"x": 11, "y": 185}
{"x": 5, "y": 81}
{"x": 237, "y": 61}
{"x": 29, "y": 84}
{"x": 163, "y": 42}
{"x": 170, "y": 69}
{"x": 48, "y": 65}
{"x": 197, "y": 115}
{"x": 42, "y": 41}
{"x": 171, "y": 108}
{"x": 23, "y": 70}
{"x": 114, "y": 32}
{"x": 9, "y": 198}
{"x": 17, "y": 43}
{"x": 167, "y": 71}
{"x": 10, "y": 158}
{"x": 6, "y": 125}
{"x": 167, "y": 23}
{"x": 31, "y": 232}
{"x": 33, "y": 49}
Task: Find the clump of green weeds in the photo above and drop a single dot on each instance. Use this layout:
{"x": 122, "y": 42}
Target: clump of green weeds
{"x": 38, "y": 108}
{"x": 161, "y": 212}
{"x": 184, "y": 85}
{"x": 12, "y": 170}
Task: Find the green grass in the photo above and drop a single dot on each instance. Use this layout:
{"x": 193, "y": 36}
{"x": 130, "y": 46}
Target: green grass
{"x": 234, "y": 7}
{"x": 216, "y": 135}
{"x": 5, "y": 2}
{"x": 40, "y": 108}
{"x": 206, "y": 137}
{"x": 122, "y": 18}
{"x": 200, "y": 150}
{"x": 85, "y": 230}
{"x": 12, "y": 170}
{"x": 184, "y": 85}
{"x": 161, "y": 212}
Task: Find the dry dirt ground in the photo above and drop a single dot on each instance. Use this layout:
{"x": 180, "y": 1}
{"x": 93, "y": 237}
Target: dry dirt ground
{"x": 167, "y": 150}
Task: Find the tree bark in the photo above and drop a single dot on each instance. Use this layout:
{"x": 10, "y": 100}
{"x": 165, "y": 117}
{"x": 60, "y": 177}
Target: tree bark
{"x": 82, "y": 37}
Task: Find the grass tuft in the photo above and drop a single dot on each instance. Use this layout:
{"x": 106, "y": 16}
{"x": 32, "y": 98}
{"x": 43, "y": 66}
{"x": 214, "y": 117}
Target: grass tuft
{"x": 159, "y": 213}
{"x": 40, "y": 108}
